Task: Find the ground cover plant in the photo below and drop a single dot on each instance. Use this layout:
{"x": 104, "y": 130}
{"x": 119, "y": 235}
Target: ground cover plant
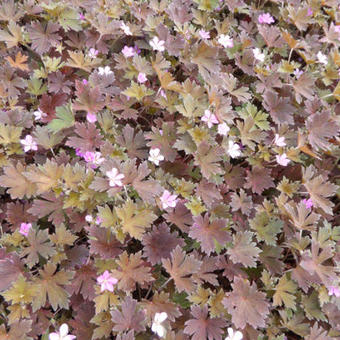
{"x": 169, "y": 169}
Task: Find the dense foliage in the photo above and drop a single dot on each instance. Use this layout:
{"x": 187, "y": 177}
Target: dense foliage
{"x": 169, "y": 168}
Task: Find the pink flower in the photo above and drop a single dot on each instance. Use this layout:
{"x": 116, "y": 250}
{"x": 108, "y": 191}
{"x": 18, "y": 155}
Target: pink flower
{"x": 308, "y": 203}
{"x": 168, "y": 200}
{"x": 29, "y": 143}
{"x": 266, "y": 18}
{"x": 209, "y": 118}
{"x": 115, "y": 177}
{"x": 225, "y": 40}
{"x": 91, "y": 117}
{"x": 94, "y": 158}
{"x": 98, "y": 220}
{"x": 107, "y": 281}
{"x": 162, "y": 93}
{"x": 25, "y": 228}
{"x": 223, "y": 129}
{"x": 142, "y": 78}
{"x": 333, "y": 290}
{"x": 204, "y": 34}
{"x": 93, "y": 52}
{"x": 279, "y": 141}
{"x": 81, "y": 16}
{"x": 309, "y": 12}
{"x": 128, "y": 51}
{"x": 157, "y": 45}
{"x": 282, "y": 159}
{"x": 79, "y": 153}
{"x": 85, "y": 82}
{"x": 62, "y": 334}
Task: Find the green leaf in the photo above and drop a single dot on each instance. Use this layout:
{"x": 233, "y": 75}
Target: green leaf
{"x": 69, "y": 20}
{"x": 65, "y": 118}
{"x": 181, "y": 299}
{"x": 284, "y": 293}
{"x": 36, "y": 87}
{"x": 207, "y": 5}
{"x": 266, "y": 227}
{"x": 312, "y": 307}
{"x": 259, "y": 117}
{"x": 137, "y": 91}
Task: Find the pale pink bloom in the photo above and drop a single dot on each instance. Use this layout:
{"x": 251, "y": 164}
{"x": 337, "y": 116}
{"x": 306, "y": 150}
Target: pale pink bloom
{"x": 142, "y": 78}
{"x": 155, "y": 156}
{"x": 85, "y": 82}
{"x": 157, "y": 45}
{"x": 298, "y": 73}
{"x": 39, "y": 114}
{"x": 107, "y": 281}
{"x": 168, "y": 200}
{"x": 62, "y": 334}
{"x": 234, "y": 149}
{"x": 81, "y": 16}
{"x": 162, "y": 93}
{"x": 225, "y": 40}
{"x": 29, "y": 143}
{"x": 128, "y": 51}
{"x": 279, "y": 141}
{"x": 309, "y": 12}
{"x": 204, "y": 34}
{"x": 223, "y": 129}
{"x": 234, "y": 335}
{"x": 125, "y": 28}
{"x": 88, "y": 218}
{"x": 104, "y": 71}
{"x": 98, "y": 220}
{"x": 308, "y": 203}
{"x": 91, "y": 117}
{"x": 322, "y": 58}
{"x": 333, "y": 290}
{"x": 115, "y": 177}
{"x": 266, "y": 18}
{"x": 209, "y": 118}
{"x": 282, "y": 159}
{"x": 337, "y": 30}
{"x": 258, "y": 55}
{"x": 161, "y": 132}
{"x": 25, "y": 228}
{"x": 93, "y": 52}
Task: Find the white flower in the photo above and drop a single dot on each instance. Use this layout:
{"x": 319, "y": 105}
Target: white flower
{"x": 223, "y": 129}
{"x": 233, "y": 149}
{"x": 322, "y": 58}
{"x": 155, "y": 156}
{"x": 104, "y": 70}
{"x": 93, "y": 53}
{"x": 168, "y": 200}
{"x": 234, "y": 336}
{"x": 88, "y": 218}
{"x": 29, "y": 143}
{"x": 282, "y": 159}
{"x": 157, "y": 326}
{"x": 297, "y": 73}
{"x": 225, "y": 40}
{"x": 258, "y": 55}
{"x": 114, "y": 177}
{"x": 157, "y": 45}
{"x": 62, "y": 334}
{"x": 39, "y": 114}
{"x": 125, "y": 28}
{"x": 279, "y": 141}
